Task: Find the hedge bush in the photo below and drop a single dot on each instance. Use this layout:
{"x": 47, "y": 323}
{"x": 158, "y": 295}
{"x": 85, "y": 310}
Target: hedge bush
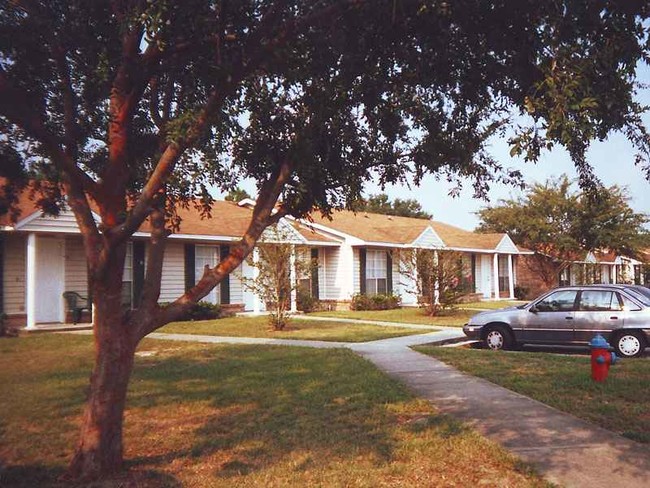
{"x": 374, "y": 302}
{"x": 205, "y": 311}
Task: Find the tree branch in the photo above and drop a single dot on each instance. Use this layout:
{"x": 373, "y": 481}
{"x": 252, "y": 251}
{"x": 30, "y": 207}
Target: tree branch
{"x": 69, "y": 104}
{"x": 16, "y": 105}
{"x": 263, "y": 216}
{"x": 153, "y": 278}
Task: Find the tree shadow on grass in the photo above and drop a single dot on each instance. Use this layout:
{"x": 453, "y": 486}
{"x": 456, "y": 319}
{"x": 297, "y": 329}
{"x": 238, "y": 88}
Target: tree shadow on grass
{"x": 31, "y": 476}
{"x": 268, "y": 402}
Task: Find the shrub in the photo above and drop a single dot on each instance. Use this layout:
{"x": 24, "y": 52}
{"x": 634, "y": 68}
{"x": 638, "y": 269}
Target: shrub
{"x": 306, "y": 302}
{"x": 204, "y": 311}
{"x": 521, "y": 292}
{"x": 374, "y": 302}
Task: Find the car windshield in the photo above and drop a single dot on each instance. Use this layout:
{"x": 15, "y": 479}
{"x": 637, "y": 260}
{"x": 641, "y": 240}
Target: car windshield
{"x": 639, "y": 295}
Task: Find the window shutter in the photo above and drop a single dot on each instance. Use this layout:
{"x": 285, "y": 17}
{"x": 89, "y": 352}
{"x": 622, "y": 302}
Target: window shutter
{"x": 190, "y": 279}
{"x": 362, "y": 270}
{"x": 225, "y": 284}
{"x": 138, "y": 271}
{"x": 389, "y": 272}
{"x": 314, "y": 273}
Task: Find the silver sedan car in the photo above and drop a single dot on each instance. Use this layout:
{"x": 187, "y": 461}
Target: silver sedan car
{"x": 571, "y": 315}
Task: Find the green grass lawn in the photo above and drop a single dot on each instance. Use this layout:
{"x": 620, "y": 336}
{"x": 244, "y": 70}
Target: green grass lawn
{"x": 621, "y": 404}
{"x": 493, "y": 305}
{"x": 297, "y": 329}
{"x": 406, "y": 315}
{"x": 206, "y": 415}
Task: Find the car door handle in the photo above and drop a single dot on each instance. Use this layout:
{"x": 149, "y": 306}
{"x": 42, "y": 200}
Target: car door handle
{"x": 569, "y": 318}
{"x": 614, "y": 317}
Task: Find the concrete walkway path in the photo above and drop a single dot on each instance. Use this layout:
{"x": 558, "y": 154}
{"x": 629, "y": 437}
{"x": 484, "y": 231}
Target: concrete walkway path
{"x": 566, "y": 450}
{"x": 381, "y": 323}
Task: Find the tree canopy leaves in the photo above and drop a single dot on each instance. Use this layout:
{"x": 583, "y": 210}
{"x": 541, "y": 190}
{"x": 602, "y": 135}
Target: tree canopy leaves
{"x": 558, "y": 221}
{"x": 336, "y": 87}
{"x": 381, "y": 204}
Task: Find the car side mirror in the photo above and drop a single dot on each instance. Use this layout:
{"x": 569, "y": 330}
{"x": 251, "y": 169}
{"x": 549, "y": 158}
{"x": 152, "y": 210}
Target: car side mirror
{"x": 533, "y": 309}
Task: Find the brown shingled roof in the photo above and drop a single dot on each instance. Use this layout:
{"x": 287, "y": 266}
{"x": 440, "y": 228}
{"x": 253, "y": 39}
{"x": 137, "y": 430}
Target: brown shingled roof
{"x": 371, "y": 227}
{"x": 226, "y": 219}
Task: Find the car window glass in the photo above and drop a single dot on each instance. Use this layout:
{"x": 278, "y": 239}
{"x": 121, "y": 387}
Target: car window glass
{"x": 560, "y": 301}
{"x": 629, "y": 304}
{"x": 638, "y": 295}
{"x": 599, "y": 301}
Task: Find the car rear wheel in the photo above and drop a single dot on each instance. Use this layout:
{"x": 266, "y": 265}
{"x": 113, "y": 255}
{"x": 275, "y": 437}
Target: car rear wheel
{"x": 498, "y": 337}
{"x": 630, "y": 344}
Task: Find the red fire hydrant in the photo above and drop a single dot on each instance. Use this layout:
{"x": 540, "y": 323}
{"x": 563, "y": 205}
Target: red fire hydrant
{"x": 601, "y": 358}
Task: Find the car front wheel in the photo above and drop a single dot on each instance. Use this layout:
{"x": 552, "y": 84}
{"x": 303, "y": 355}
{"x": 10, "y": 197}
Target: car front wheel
{"x": 629, "y": 344}
{"x": 498, "y": 337}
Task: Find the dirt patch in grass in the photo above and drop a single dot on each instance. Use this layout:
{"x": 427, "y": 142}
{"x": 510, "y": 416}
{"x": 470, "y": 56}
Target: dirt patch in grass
{"x": 201, "y": 415}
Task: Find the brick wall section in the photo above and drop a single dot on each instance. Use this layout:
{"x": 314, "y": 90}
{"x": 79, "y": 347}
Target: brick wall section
{"x": 527, "y": 278}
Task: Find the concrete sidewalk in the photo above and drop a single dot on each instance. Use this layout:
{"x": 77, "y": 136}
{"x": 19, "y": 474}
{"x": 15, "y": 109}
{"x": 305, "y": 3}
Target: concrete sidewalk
{"x": 566, "y": 450}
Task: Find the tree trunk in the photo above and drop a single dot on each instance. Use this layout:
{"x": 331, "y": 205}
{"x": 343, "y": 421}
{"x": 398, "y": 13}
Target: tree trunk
{"x": 100, "y": 449}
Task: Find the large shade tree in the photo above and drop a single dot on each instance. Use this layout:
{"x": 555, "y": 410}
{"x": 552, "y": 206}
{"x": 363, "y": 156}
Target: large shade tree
{"x": 134, "y": 107}
{"x": 562, "y": 224}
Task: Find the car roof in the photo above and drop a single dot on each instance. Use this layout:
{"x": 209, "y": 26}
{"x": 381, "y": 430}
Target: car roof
{"x": 612, "y": 286}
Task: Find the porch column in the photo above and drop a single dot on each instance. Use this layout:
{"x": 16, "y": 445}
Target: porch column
{"x": 436, "y": 284}
{"x": 495, "y": 275}
{"x": 31, "y": 281}
{"x": 614, "y": 274}
{"x": 511, "y": 278}
{"x": 416, "y": 281}
{"x": 292, "y": 280}
{"x": 256, "y": 274}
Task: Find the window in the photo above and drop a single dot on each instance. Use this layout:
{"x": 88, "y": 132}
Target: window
{"x": 560, "y": 301}
{"x": 127, "y": 277}
{"x": 504, "y": 282}
{"x": 206, "y": 255}
{"x": 565, "y": 277}
{"x": 599, "y": 301}
{"x": 376, "y": 277}
{"x": 629, "y": 304}
{"x": 637, "y": 274}
{"x": 304, "y": 270}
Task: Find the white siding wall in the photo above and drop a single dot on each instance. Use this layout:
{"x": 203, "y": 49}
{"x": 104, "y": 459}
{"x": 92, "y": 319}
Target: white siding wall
{"x": 323, "y": 289}
{"x": 248, "y": 297}
{"x": 397, "y": 289}
{"x": 236, "y": 286}
{"x": 403, "y": 282}
{"x": 76, "y": 276}
{"x": 173, "y": 274}
{"x": 14, "y": 274}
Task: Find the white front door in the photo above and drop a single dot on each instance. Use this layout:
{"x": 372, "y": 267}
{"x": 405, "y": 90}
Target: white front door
{"x": 486, "y": 276}
{"x": 49, "y": 279}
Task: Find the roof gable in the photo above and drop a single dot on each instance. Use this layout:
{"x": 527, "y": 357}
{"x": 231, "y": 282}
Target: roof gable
{"x": 506, "y": 245}
{"x": 284, "y": 232}
{"x": 429, "y": 238}
{"x": 65, "y": 222}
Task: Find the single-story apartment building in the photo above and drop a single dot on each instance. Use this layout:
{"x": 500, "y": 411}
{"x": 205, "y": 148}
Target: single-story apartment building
{"x": 42, "y": 256}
